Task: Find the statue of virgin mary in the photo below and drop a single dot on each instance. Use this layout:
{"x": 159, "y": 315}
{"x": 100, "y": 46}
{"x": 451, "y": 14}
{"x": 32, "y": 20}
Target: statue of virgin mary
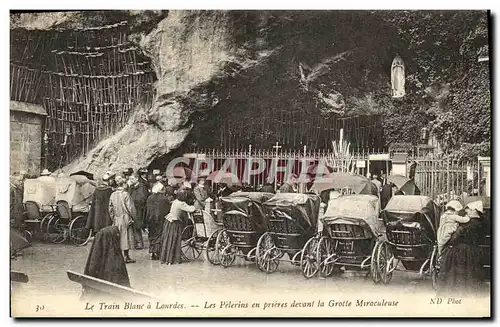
{"x": 398, "y": 77}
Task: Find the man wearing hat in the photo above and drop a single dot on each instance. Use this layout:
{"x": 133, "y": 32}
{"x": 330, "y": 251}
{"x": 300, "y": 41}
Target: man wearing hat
{"x": 127, "y": 172}
{"x": 155, "y": 178}
{"x": 45, "y": 172}
{"x": 143, "y": 173}
{"x": 139, "y": 194}
{"x": 98, "y": 217}
{"x": 45, "y": 176}
{"x": 290, "y": 186}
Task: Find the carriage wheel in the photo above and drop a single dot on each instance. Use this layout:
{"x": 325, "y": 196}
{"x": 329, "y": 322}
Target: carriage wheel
{"x": 324, "y": 252}
{"x": 212, "y": 254}
{"x": 43, "y": 226}
{"x": 190, "y": 248}
{"x": 434, "y": 268}
{"x": 54, "y": 234}
{"x": 308, "y": 263}
{"x": 373, "y": 265}
{"x": 225, "y": 250}
{"x": 268, "y": 256}
{"x": 28, "y": 236}
{"x": 61, "y": 229}
{"x": 78, "y": 234}
{"x": 384, "y": 255}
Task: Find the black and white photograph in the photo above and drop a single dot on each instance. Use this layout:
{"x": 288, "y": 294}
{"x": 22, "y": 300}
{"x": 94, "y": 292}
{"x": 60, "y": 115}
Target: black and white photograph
{"x": 250, "y": 163}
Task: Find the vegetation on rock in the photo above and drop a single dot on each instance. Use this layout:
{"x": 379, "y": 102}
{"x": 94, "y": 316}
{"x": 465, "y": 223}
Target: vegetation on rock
{"x": 338, "y": 63}
{"x": 213, "y": 64}
{"x": 449, "y": 89}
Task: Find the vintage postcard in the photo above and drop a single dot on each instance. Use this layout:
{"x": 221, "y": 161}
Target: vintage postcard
{"x": 223, "y": 163}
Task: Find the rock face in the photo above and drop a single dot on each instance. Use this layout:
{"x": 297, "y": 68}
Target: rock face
{"x": 260, "y": 64}
{"x": 187, "y": 49}
{"x": 41, "y": 21}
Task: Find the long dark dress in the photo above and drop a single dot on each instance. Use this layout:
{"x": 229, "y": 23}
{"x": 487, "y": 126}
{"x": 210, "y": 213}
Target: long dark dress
{"x": 105, "y": 260}
{"x": 99, "y": 214}
{"x": 461, "y": 271}
{"x": 172, "y": 231}
{"x": 157, "y": 207}
{"x": 171, "y": 242}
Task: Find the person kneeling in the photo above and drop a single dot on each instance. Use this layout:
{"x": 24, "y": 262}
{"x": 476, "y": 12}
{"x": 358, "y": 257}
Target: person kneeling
{"x": 105, "y": 262}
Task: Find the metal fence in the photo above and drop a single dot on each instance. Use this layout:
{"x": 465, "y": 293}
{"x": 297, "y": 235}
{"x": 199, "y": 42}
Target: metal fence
{"x": 443, "y": 179}
{"x": 289, "y": 161}
{"x": 439, "y": 178}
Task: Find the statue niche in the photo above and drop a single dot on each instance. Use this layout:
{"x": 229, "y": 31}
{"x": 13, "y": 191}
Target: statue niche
{"x": 398, "y": 77}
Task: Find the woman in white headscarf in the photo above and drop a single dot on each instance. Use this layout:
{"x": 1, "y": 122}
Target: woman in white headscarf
{"x": 461, "y": 270}
{"x": 448, "y": 223}
{"x": 157, "y": 207}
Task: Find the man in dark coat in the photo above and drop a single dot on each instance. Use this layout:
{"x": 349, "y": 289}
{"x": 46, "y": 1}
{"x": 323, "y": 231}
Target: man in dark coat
{"x": 127, "y": 173}
{"x": 386, "y": 194}
{"x": 290, "y": 186}
{"x": 157, "y": 207}
{"x": 98, "y": 217}
{"x": 142, "y": 174}
{"x": 413, "y": 169}
{"x": 139, "y": 193}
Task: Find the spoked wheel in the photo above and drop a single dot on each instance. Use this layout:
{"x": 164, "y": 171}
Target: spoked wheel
{"x": 324, "y": 253}
{"x": 385, "y": 262}
{"x": 44, "y": 224}
{"x": 61, "y": 231}
{"x": 28, "y": 235}
{"x": 434, "y": 268}
{"x": 225, "y": 250}
{"x": 55, "y": 232}
{"x": 78, "y": 234}
{"x": 308, "y": 260}
{"x": 190, "y": 249}
{"x": 373, "y": 265}
{"x": 212, "y": 255}
{"x": 268, "y": 255}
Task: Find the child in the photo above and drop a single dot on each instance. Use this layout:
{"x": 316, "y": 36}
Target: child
{"x": 448, "y": 223}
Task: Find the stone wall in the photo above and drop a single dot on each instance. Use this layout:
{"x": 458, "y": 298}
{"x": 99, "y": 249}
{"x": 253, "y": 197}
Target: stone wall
{"x": 25, "y": 143}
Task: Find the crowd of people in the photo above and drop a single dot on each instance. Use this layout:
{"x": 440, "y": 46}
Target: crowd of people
{"x": 126, "y": 205}
{"x": 122, "y": 201}
{"x": 135, "y": 202}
